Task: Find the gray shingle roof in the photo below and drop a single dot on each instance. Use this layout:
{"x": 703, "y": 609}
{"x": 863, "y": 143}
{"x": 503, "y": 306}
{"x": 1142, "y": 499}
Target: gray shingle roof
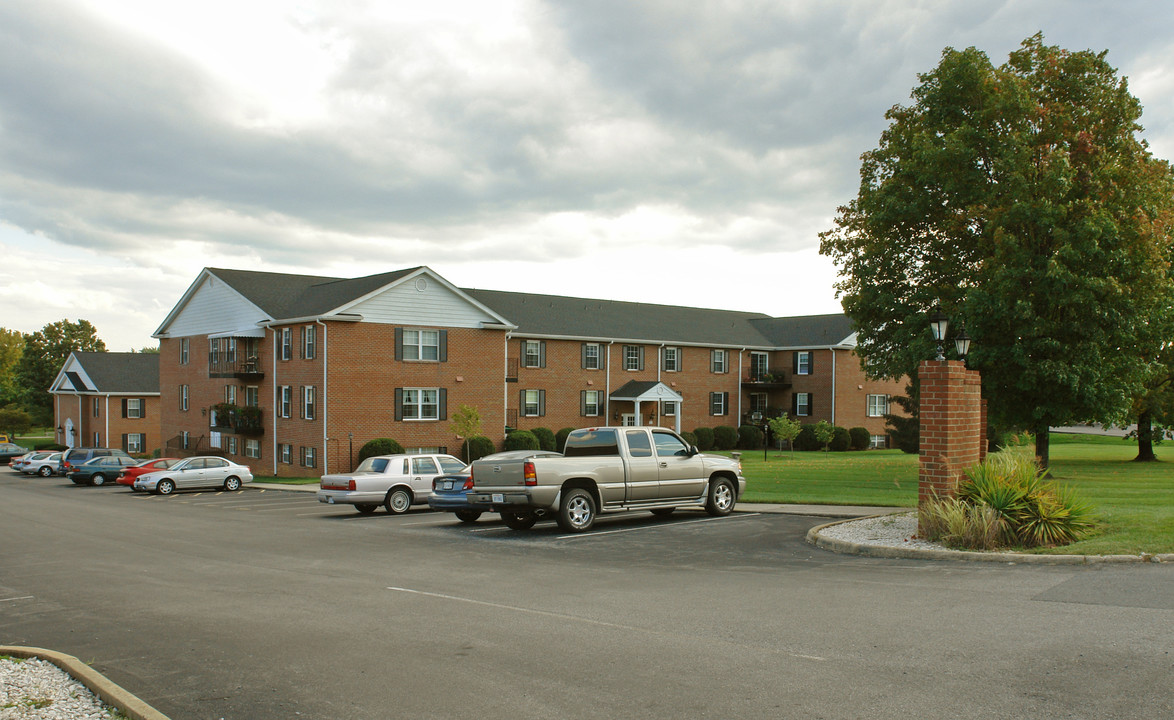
{"x": 290, "y": 296}
{"x": 806, "y": 331}
{"x": 117, "y": 372}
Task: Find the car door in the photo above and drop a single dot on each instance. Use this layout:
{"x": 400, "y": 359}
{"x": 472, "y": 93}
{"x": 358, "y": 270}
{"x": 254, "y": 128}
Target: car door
{"x": 191, "y": 474}
{"x": 424, "y": 469}
{"x": 682, "y": 475}
{"x": 215, "y": 472}
{"x": 643, "y": 481}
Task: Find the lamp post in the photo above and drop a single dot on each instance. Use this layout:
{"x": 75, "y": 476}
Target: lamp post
{"x": 962, "y": 344}
{"x": 938, "y": 324}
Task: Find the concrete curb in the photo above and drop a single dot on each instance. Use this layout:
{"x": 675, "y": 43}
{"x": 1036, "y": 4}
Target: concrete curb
{"x": 881, "y": 551}
{"x": 110, "y": 693}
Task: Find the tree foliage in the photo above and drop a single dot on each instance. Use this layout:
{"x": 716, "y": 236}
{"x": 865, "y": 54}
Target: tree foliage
{"x": 45, "y": 351}
{"x": 11, "y": 348}
{"x": 1021, "y": 199}
{"x": 466, "y": 423}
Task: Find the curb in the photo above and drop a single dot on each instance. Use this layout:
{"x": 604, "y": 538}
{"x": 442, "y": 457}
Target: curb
{"x": 845, "y": 547}
{"x": 107, "y": 691}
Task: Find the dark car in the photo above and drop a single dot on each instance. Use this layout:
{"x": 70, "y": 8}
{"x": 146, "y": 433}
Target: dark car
{"x": 10, "y": 450}
{"x": 74, "y": 458}
{"x": 449, "y": 491}
{"x": 101, "y": 469}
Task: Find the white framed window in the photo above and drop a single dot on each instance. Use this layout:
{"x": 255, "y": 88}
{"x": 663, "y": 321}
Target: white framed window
{"x": 759, "y": 365}
{"x": 232, "y": 450}
{"x": 591, "y": 403}
{"x": 252, "y": 396}
{"x": 718, "y": 403}
{"x": 532, "y": 353}
{"x": 672, "y": 359}
{"x": 134, "y": 442}
{"x": 230, "y": 394}
{"x": 134, "y": 408}
{"x": 309, "y": 457}
{"x": 97, "y": 406}
{"x": 633, "y": 357}
{"x": 717, "y": 362}
{"x": 97, "y": 439}
{"x": 802, "y": 404}
{"x": 253, "y": 448}
{"x": 309, "y": 396}
{"x": 591, "y": 356}
{"x": 878, "y": 405}
{"x": 286, "y": 453}
{"x": 286, "y": 343}
{"x": 758, "y": 403}
{"x": 421, "y": 345}
{"x": 184, "y": 351}
{"x": 803, "y": 362}
{"x": 230, "y": 349}
{"x": 284, "y": 401}
{"x": 309, "y": 342}
{"x": 878, "y": 442}
{"x": 184, "y": 397}
{"x": 184, "y": 439}
{"x": 421, "y": 403}
{"x": 532, "y": 404}
{"x": 668, "y": 408}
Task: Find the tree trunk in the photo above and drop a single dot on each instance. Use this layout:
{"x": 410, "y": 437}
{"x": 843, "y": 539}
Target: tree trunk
{"x": 1145, "y": 438}
{"x": 1042, "y": 446}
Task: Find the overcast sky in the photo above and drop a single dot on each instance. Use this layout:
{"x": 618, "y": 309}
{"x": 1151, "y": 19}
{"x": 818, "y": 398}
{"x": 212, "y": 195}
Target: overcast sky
{"x": 659, "y": 151}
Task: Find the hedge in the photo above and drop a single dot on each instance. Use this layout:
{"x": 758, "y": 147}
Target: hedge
{"x": 379, "y": 446}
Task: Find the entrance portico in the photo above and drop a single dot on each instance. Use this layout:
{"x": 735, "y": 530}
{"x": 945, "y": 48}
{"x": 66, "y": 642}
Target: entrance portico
{"x": 639, "y": 392}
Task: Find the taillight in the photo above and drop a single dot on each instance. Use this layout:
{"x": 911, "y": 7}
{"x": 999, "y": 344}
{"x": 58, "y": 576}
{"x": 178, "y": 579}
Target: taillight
{"x": 528, "y": 474}
{"x": 468, "y": 484}
{"x": 351, "y": 486}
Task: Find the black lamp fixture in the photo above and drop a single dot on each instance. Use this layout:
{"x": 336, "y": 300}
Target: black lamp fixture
{"x": 938, "y": 325}
{"x": 962, "y": 343}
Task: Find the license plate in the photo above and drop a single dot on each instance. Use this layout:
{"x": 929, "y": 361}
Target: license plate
{"x": 497, "y": 498}
{"x": 446, "y": 485}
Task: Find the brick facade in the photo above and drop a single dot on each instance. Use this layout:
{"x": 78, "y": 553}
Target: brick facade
{"x": 953, "y": 426}
{"x": 102, "y": 420}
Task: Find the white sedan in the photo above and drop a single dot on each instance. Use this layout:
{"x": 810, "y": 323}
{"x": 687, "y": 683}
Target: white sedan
{"x": 195, "y": 472}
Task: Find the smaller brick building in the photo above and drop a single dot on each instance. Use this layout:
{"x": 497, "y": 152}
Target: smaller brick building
{"x": 108, "y": 399}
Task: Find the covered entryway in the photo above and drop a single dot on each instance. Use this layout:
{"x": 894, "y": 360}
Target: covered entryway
{"x": 640, "y": 393}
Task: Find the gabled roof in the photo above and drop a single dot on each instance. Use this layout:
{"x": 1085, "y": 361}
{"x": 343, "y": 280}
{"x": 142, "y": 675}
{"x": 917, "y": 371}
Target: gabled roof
{"x": 293, "y": 296}
{"x": 109, "y": 373}
{"x": 833, "y": 330}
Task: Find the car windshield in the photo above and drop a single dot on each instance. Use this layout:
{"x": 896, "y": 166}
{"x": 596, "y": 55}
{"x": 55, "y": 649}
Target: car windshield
{"x": 372, "y": 465}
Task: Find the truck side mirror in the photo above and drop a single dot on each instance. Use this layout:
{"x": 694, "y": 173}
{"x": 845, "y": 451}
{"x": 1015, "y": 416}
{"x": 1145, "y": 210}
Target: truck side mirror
{"x": 693, "y": 451}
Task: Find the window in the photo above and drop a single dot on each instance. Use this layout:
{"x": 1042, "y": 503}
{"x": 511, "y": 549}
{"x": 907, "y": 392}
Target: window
{"x": 801, "y": 404}
{"x": 232, "y": 445}
{"x": 758, "y": 403}
{"x": 878, "y": 442}
{"x": 308, "y": 457}
{"x": 183, "y": 398}
{"x": 534, "y": 353}
{"x": 759, "y": 365}
{"x": 590, "y": 405}
{"x": 133, "y": 442}
{"x": 668, "y": 445}
{"x": 132, "y": 408}
{"x": 253, "y": 448}
{"x": 252, "y": 396}
{"x": 184, "y": 351}
{"x": 97, "y": 439}
{"x": 634, "y": 357}
{"x": 878, "y": 405}
{"x": 184, "y": 439}
{"x": 803, "y": 362}
{"x": 717, "y": 361}
{"x": 533, "y": 403}
{"x": 309, "y": 342}
{"x": 421, "y": 345}
{"x": 214, "y": 351}
{"x": 668, "y": 408}
{"x": 421, "y": 404}
{"x": 230, "y": 394}
{"x": 230, "y": 350}
{"x": 638, "y": 443}
{"x": 286, "y": 453}
{"x": 591, "y": 356}
{"x": 672, "y": 359}
{"x": 284, "y": 401}
{"x": 309, "y": 394}
{"x": 286, "y": 344}
{"x": 97, "y": 407}
{"x": 718, "y": 403}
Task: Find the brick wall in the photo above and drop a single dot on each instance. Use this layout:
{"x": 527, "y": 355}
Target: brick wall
{"x": 953, "y": 426}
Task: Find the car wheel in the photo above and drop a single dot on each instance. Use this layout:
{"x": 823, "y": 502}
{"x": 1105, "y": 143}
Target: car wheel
{"x": 232, "y": 483}
{"x": 98, "y": 479}
{"x": 398, "y": 501}
{"x": 518, "y": 520}
{"x": 663, "y": 512}
{"x": 45, "y": 471}
{"x": 577, "y": 511}
{"x": 366, "y": 508}
{"x": 165, "y": 487}
{"x": 468, "y": 516}
{"x": 721, "y": 497}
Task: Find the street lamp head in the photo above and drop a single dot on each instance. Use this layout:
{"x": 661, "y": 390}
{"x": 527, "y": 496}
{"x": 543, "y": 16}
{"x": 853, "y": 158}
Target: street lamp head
{"x": 962, "y": 343}
{"x": 938, "y": 324}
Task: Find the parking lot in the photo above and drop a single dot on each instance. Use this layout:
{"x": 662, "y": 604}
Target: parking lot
{"x": 268, "y": 604}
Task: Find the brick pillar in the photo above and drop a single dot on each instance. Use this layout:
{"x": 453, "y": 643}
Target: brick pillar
{"x": 953, "y": 426}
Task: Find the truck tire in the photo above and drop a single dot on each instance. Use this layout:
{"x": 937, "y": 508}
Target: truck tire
{"x": 577, "y": 511}
{"x": 519, "y": 520}
{"x": 721, "y": 497}
{"x": 468, "y": 516}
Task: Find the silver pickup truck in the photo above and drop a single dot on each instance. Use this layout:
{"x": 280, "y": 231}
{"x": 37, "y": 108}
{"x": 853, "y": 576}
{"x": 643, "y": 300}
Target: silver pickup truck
{"x": 607, "y": 469}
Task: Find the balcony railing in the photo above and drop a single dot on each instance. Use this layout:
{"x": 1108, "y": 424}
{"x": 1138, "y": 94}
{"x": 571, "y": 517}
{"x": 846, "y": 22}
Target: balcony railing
{"x": 240, "y": 420}
{"x": 766, "y": 380}
{"x": 246, "y": 369}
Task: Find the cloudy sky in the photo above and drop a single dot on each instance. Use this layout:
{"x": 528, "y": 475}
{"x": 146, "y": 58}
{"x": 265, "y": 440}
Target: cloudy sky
{"x": 651, "y": 150}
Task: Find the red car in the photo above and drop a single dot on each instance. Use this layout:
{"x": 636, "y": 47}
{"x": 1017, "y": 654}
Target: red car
{"x": 130, "y": 473}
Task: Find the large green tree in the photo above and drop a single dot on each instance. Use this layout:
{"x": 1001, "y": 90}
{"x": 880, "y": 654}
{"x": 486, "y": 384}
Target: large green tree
{"x": 45, "y": 351}
{"x": 1022, "y": 200}
{"x": 11, "y": 347}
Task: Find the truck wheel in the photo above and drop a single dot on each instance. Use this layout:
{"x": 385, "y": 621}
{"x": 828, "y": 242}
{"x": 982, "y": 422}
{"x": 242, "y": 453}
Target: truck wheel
{"x": 366, "y": 508}
{"x": 518, "y": 520}
{"x": 577, "y": 512}
{"x": 398, "y": 501}
{"x": 721, "y": 497}
{"x": 468, "y": 516}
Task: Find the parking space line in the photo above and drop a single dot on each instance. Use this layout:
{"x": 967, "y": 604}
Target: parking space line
{"x": 515, "y": 608}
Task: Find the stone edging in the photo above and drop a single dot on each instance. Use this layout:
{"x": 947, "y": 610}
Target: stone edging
{"x": 883, "y": 551}
{"x": 107, "y": 691}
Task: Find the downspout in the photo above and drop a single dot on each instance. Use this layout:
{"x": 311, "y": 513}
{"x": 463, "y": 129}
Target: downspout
{"x": 738, "y": 417}
{"x": 107, "y": 430}
{"x": 273, "y": 405}
{"x": 833, "y": 386}
{"x": 505, "y": 386}
{"x": 607, "y": 390}
{"x": 325, "y": 396}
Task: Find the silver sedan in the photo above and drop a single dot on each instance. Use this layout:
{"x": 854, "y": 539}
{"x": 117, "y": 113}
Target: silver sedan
{"x": 195, "y": 472}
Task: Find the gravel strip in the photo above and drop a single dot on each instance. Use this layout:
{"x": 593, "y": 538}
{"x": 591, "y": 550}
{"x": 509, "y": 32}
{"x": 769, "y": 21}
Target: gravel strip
{"x": 897, "y": 530}
{"x": 34, "y": 689}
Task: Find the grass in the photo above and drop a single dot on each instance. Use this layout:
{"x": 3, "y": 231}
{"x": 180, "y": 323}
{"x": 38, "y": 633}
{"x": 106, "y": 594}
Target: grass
{"x": 286, "y": 480}
{"x": 1133, "y": 503}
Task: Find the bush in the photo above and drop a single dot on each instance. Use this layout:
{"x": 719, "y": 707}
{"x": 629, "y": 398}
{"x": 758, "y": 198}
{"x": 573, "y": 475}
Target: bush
{"x": 560, "y": 438}
{"x": 546, "y": 439}
{"x": 379, "y": 446}
{"x": 750, "y": 437}
{"x": 841, "y": 439}
{"x": 704, "y": 438}
{"x": 806, "y": 440}
{"x": 725, "y": 437}
{"x": 861, "y": 438}
{"x": 689, "y": 438}
{"x": 522, "y": 440}
{"x": 478, "y": 447}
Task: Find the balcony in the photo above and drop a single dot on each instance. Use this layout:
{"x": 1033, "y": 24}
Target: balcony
{"x": 246, "y": 421}
{"x": 246, "y": 369}
{"x": 766, "y": 381}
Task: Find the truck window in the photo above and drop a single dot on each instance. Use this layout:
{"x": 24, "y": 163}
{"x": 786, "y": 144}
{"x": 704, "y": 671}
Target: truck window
{"x": 592, "y": 443}
{"x": 638, "y": 443}
{"x": 669, "y": 445}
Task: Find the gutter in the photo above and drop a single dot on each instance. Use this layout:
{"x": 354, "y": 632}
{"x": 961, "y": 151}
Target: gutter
{"x": 325, "y": 396}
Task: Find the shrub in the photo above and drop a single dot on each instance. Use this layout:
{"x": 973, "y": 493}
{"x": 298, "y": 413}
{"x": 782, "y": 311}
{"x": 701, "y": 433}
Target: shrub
{"x": 750, "y": 437}
{"x": 861, "y": 438}
{"x": 478, "y": 447}
{"x": 689, "y": 438}
{"x": 545, "y": 437}
{"x": 522, "y": 440}
{"x": 704, "y": 438}
{"x": 841, "y": 440}
{"x": 725, "y": 437}
{"x": 560, "y": 438}
{"x": 806, "y": 439}
{"x": 379, "y": 446}
{"x": 958, "y": 524}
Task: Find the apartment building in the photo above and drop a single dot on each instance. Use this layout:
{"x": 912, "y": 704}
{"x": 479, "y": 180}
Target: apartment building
{"x": 108, "y": 399}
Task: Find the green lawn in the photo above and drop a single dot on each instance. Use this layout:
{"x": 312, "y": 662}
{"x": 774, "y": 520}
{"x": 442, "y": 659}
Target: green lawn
{"x": 1133, "y": 502}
